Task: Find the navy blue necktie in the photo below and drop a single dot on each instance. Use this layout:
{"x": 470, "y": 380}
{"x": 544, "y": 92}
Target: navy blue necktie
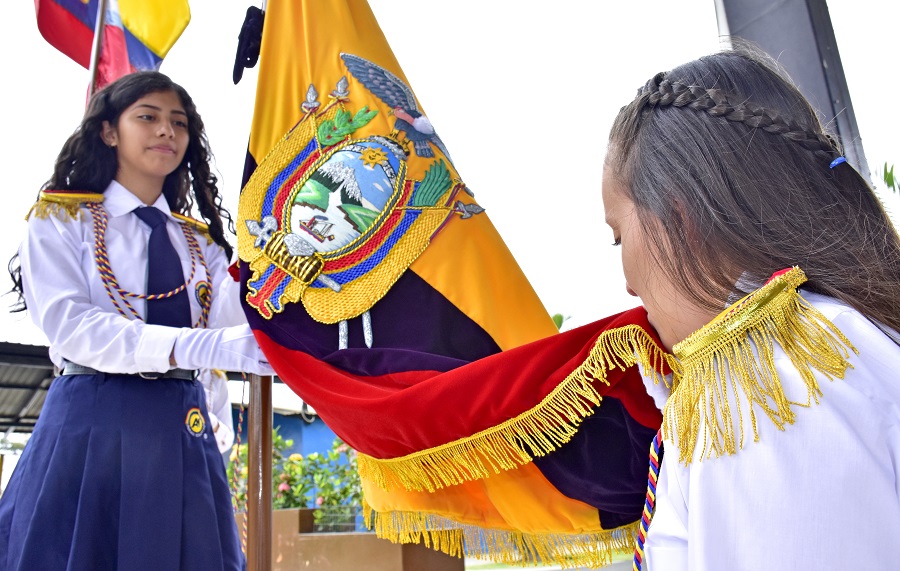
{"x": 163, "y": 274}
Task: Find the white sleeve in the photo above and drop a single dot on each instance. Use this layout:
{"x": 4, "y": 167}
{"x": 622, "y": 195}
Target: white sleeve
{"x": 58, "y": 298}
{"x": 814, "y": 496}
{"x": 226, "y": 309}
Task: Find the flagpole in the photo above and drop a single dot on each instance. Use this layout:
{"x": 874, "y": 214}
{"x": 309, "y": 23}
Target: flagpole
{"x": 97, "y": 46}
{"x": 259, "y": 485}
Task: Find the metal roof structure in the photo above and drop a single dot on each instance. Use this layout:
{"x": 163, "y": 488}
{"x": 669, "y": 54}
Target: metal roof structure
{"x": 26, "y": 372}
{"x": 25, "y": 375}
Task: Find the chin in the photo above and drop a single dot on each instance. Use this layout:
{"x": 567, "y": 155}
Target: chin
{"x": 664, "y": 335}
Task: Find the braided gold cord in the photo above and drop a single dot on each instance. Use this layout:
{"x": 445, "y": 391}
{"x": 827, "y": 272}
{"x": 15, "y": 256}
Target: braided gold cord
{"x": 108, "y": 277}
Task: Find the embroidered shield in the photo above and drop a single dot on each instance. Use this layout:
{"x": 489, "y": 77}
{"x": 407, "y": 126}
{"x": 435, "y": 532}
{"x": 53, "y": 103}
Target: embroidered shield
{"x": 333, "y": 219}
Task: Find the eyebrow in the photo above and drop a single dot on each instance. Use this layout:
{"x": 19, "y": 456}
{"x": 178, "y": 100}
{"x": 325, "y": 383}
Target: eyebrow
{"x": 178, "y": 111}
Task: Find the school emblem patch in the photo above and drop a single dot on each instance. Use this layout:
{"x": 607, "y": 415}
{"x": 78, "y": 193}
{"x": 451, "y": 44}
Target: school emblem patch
{"x": 195, "y": 422}
{"x": 342, "y": 206}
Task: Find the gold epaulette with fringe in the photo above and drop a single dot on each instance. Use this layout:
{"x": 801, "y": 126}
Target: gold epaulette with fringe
{"x": 198, "y": 226}
{"x": 729, "y": 363}
{"x": 534, "y": 432}
{"x": 62, "y": 204}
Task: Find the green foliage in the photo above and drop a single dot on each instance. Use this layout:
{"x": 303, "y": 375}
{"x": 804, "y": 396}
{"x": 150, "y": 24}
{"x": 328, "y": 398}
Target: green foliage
{"x": 559, "y": 319}
{"x": 332, "y": 132}
{"x": 336, "y": 486}
{"x": 436, "y": 182}
{"x": 327, "y": 480}
{"x": 9, "y": 447}
{"x": 889, "y": 179}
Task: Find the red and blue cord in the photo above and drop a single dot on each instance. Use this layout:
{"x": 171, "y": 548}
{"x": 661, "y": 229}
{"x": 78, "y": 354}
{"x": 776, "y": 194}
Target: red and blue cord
{"x": 649, "y": 502}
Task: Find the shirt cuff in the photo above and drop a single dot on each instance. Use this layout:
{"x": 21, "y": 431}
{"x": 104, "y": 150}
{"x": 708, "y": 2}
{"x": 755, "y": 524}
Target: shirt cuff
{"x": 154, "y": 348}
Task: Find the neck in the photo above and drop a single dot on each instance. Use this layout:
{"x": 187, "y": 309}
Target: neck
{"x": 147, "y": 190}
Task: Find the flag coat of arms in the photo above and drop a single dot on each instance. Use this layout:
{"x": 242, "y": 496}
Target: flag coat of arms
{"x": 382, "y": 294}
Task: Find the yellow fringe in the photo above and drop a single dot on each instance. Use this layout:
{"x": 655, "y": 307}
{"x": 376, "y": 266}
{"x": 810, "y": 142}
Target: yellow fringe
{"x": 737, "y": 350}
{"x": 590, "y": 549}
{"x": 535, "y": 432}
{"x": 62, "y": 205}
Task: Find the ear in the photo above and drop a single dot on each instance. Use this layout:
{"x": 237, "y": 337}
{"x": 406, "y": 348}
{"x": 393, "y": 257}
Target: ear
{"x": 109, "y": 135}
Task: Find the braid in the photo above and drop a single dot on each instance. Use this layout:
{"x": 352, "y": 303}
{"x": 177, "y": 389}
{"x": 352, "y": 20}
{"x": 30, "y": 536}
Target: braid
{"x": 660, "y": 92}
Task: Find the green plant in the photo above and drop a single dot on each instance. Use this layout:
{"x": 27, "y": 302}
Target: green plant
{"x": 326, "y": 481}
{"x": 336, "y": 490}
{"x": 559, "y": 319}
{"x": 890, "y": 180}
{"x": 9, "y": 447}
{"x": 290, "y": 481}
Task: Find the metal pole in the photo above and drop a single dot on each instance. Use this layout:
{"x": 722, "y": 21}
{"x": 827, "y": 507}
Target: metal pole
{"x": 97, "y": 46}
{"x": 259, "y": 475}
{"x": 798, "y": 33}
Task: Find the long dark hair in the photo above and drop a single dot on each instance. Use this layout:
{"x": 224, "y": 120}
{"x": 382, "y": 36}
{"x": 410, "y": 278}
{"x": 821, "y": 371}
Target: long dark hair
{"x": 87, "y": 164}
{"x": 727, "y": 154}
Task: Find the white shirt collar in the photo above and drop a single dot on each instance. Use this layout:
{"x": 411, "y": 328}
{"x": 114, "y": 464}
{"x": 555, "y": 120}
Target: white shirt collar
{"x": 119, "y": 201}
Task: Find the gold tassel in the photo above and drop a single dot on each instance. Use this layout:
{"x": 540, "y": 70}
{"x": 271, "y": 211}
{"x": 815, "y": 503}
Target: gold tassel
{"x": 568, "y": 550}
{"x": 732, "y": 358}
{"x": 535, "y": 432}
{"x": 62, "y": 205}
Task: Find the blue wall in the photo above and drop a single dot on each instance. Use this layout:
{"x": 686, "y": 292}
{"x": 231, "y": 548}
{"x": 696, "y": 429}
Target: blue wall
{"x": 308, "y": 437}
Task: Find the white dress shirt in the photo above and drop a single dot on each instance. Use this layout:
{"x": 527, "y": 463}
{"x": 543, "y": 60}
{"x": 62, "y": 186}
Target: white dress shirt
{"x": 822, "y": 494}
{"x": 68, "y": 302}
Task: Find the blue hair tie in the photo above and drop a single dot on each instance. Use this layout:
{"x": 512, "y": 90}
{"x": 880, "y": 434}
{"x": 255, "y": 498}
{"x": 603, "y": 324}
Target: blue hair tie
{"x": 836, "y": 162}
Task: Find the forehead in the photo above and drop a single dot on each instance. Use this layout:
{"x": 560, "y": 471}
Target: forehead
{"x": 615, "y": 194}
{"x": 168, "y": 101}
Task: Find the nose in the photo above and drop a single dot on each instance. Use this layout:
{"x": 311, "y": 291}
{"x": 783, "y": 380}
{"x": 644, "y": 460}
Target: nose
{"x": 165, "y": 130}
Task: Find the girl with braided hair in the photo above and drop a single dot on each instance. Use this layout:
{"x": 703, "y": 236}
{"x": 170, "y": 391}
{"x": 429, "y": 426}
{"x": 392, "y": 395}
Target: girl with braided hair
{"x": 781, "y": 422}
{"x": 122, "y": 470}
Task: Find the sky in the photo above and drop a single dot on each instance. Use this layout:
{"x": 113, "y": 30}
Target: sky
{"x": 495, "y": 78}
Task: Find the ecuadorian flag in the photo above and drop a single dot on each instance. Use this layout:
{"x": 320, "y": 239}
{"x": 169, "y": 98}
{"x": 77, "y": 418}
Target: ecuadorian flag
{"x": 137, "y": 36}
{"x": 382, "y": 294}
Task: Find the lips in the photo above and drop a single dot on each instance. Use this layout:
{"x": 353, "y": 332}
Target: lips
{"x": 163, "y": 149}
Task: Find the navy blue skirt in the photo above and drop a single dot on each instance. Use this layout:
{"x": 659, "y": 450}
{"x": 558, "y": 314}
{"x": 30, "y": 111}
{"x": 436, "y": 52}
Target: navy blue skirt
{"x": 120, "y": 473}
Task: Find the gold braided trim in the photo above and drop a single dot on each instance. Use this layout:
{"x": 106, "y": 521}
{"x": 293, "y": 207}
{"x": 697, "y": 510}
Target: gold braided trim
{"x": 62, "y": 205}
{"x": 732, "y": 359}
{"x": 199, "y": 227}
{"x": 535, "y": 432}
{"x": 568, "y": 550}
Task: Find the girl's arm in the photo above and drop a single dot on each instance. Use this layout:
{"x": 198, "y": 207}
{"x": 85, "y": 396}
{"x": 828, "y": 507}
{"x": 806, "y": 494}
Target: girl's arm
{"x": 58, "y": 297}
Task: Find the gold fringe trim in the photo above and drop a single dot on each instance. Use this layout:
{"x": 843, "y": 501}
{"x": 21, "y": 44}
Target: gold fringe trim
{"x": 535, "y": 432}
{"x": 568, "y": 550}
{"x": 732, "y": 358}
{"x": 62, "y": 205}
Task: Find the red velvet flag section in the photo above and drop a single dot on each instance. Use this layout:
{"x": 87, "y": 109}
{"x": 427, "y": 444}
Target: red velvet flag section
{"x": 437, "y": 408}
{"x": 437, "y": 447}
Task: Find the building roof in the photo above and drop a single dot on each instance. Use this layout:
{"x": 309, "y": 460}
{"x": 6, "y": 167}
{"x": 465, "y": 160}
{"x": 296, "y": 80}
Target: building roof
{"x": 25, "y": 375}
{"x": 26, "y": 372}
